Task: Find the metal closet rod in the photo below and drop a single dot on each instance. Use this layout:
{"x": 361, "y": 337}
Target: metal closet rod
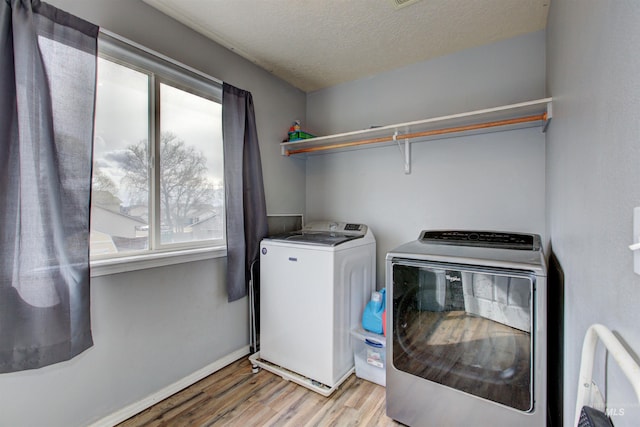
{"x": 486, "y": 125}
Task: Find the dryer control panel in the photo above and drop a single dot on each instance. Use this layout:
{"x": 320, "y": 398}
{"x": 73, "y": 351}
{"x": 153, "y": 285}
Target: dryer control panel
{"x": 486, "y": 239}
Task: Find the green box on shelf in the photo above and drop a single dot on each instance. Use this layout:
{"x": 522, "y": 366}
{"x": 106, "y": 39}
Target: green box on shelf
{"x": 298, "y": 135}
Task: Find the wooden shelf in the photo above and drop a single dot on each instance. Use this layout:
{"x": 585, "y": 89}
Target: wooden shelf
{"x": 515, "y": 116}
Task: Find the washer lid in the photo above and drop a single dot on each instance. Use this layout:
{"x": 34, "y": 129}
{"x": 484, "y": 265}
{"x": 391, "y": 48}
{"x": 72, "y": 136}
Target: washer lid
{"x": 315, "y": 237}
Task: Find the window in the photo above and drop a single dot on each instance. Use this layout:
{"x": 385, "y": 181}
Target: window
{"x": 158, "y": 156}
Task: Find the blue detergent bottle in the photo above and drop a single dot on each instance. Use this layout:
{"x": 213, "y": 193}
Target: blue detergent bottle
{"x": 372, "y": 316}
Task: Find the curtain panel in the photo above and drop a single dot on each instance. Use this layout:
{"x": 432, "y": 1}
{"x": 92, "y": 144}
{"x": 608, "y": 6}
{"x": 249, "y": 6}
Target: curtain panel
{"x": 48, "y": 81}
{"x": 245, "y": 202}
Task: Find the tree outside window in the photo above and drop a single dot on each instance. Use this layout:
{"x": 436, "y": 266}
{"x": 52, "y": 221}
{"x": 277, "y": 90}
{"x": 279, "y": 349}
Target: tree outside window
{"x": 190, "y": 206}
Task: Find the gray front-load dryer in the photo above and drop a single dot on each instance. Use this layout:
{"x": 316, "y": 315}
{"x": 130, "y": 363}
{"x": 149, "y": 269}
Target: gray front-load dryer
{"x": 466, "y": 322}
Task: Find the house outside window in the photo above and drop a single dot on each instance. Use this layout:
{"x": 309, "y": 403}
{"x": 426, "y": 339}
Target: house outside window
{"x": 158, "y": 156}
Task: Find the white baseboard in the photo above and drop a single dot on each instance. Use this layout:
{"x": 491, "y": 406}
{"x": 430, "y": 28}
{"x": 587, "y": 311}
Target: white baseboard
{"x": 139, "y": 406}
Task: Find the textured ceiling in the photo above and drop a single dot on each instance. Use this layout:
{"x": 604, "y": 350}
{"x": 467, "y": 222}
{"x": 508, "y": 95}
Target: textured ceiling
{"x": 313, "y": 44}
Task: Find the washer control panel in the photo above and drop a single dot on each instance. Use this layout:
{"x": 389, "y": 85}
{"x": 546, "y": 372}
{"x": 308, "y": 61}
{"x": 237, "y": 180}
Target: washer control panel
{"x": 336, "y": 227}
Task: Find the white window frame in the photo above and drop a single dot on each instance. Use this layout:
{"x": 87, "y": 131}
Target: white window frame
{"x": 160, "y": 69}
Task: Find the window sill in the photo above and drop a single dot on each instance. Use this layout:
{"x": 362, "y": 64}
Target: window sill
{"x": 105, "y": 267}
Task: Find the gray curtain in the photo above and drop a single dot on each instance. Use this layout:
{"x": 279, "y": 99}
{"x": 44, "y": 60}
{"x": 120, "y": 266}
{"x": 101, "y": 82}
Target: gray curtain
{"x": 245, "y": 205}
{"x": 47, "y": 80}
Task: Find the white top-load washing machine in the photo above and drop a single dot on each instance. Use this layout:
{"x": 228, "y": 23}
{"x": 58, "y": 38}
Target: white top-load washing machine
{"x": 314, "y": 285}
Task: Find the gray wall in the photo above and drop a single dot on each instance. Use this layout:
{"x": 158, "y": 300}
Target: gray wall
{"x": 593, "y": 176}
{"x": 153, "y": 327}
{"x": 490, "y": 181}
{"x": 498, "y": 74}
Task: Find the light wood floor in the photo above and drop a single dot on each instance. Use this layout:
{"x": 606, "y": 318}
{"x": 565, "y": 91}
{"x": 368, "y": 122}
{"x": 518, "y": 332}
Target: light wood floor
{"x": 234, "y": 396}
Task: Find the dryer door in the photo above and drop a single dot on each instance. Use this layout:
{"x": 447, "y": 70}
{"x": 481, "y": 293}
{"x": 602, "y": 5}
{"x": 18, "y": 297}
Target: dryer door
{"x": 465, "y": 327}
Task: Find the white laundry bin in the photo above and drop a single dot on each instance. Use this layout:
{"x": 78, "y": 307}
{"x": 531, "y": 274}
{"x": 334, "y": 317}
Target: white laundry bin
{"x": 369, "y": 355}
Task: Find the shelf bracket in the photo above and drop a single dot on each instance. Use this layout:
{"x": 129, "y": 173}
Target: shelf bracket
{"x": 407, "y": 157}
{"x": 406, "y": 152}
{"x": 547, "y": 117}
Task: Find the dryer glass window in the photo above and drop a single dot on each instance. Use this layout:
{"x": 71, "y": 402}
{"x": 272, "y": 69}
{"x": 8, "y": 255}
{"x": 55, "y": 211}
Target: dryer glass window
{"x": 466, "y": 328}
